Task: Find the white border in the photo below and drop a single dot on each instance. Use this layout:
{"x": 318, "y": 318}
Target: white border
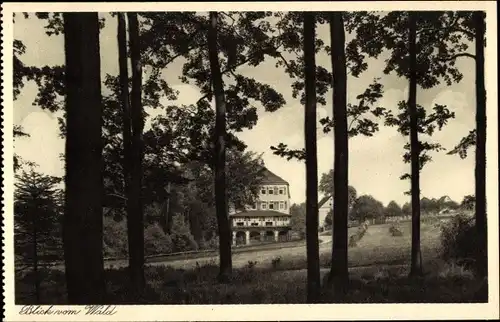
{"x": 290, "y": 312}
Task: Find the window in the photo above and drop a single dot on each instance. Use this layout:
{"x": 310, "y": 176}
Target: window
{"x": 254, "y": 206}
{"x": 264, "y": 205}
{"x": 275, "y": 190}
{"x": 282, "y": 205}
{"x": 282, "y": 192}
{"x": 255, "y": 224}
{"x": 271, "y": 205}
{"x": 270, "y": 191}
{"x": 239, "y": 224}
{"x": 263, "y": 191}
{"x": 268, "y": 223}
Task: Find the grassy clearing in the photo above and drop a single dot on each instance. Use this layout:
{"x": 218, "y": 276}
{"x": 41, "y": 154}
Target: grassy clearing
{"x": 378, "y": 275}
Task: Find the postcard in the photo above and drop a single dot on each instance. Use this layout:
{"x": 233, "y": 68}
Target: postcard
{"x": 250, "y": 161}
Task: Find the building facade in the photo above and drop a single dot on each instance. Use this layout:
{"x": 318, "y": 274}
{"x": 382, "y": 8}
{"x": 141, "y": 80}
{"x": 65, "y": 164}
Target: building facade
{"x": 268, "y": 219}
{"x": 325, "y": 205}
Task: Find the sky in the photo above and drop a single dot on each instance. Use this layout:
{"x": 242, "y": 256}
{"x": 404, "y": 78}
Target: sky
{"x": 375, "y": 163}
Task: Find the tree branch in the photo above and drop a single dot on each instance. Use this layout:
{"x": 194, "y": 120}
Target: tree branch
{"x": 444, "y": 59}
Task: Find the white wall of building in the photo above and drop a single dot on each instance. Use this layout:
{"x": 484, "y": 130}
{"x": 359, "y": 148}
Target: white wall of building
{"x": 278, "y": 221}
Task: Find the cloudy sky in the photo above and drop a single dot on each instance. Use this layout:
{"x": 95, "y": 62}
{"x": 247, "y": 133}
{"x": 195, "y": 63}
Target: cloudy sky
{"x": 375, "y": 162}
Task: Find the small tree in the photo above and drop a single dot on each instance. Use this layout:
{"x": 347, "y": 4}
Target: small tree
{"x": 298, "y": 220}
{"x": 37, "y": 214}
{"x": 468, "y": 203}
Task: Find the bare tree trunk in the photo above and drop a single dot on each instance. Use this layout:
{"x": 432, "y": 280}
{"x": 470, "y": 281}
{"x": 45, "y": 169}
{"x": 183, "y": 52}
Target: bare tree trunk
{"x": 125, "y": 103}
{"x": 416, "y": 256}
{"x": 482, "y": 262}
{"x": 35, "y": 260}
{"x": 226, "y": 265}
{"x": 83, "y": 227}
{"x": 339, "y": 273}
{"x": 313, "y": 275}
{"x": 136, "y": 212}
{"x": 167, "y": 216}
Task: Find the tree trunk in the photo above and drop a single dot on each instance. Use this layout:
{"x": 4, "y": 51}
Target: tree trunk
{"x": 125, "y": 103}
{"x": 339, "y": 273}
{"x": 35, "y": 260}
{"x": 226, "y": 265}
{"x": 416, "y": 256}
{"x": 313, "y": 276}
{"x": 135, "y": 211}
{"x": 482, "y": 262}
{"x": 83, "y": 227}
{"x": 167, "y": 216}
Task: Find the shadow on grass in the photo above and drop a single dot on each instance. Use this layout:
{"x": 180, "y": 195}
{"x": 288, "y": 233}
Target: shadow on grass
{"x": 251, "y": 285}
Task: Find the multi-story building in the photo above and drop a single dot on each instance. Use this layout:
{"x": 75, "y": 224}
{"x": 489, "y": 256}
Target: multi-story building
{"x": 268, "y": 219}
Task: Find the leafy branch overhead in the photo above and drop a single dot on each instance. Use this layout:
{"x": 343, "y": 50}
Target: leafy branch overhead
{"x": 463, "y": 146}
{"x": 426, "y": 124}
{"x": 362, "y": 119}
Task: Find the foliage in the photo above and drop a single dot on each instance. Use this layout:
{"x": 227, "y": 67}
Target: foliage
{"x": 367, "y": 207}
{"x": 38, "y": 207}
{"x": 358, "y": 125}
{"x": 463, "y": 146}
{"x": 157, "y": 242}
{"x": 360, "y": 232}
{"x": 115, "y": 238}
{"x": 459, "y": 241}
{"x": 298, "y": 220}
{"x": 329, "y": 219}
{"x": 426, "y": 124}
{"x": 441, "y": 35}
{"x": 393, "y": 210}
{"x": 18, "y": 161}
{"x": 326, "y": 187}
{"x": 468, "y": 202}
{"x": 395, "y": 230}
{"x": 430, "y": 205}
{"x": 406, "y": 209}
{"x": 181, "y": 235}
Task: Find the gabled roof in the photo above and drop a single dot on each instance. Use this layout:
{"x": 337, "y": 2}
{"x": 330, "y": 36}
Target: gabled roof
{"x": 270, "y": 178}
{"x": 260, "y": 213}
{"x": 323, "y": 200}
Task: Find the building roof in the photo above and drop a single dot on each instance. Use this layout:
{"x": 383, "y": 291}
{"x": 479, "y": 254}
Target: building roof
{"x": 270, "y": 178}
{"x": 324, "y": 200}
{"x": 260, "y": 213}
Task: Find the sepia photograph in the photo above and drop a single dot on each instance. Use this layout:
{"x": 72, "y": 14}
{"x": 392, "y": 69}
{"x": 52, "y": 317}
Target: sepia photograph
{"x": 230, "y": 157}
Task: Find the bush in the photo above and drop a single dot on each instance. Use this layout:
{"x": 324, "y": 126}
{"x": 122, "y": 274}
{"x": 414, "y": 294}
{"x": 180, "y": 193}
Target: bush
{"x": 115, "y": 240}
{"x": 275, "y": 262}
{"x": 459, "y": 241}
{"x": 395, "y": 230}
{"x": 354, "y": 239}
{"x": 156, "y": 241}
{"x": 181, "y": 235}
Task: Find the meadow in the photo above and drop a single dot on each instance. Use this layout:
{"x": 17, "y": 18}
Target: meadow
{"x": 378, "y": 272}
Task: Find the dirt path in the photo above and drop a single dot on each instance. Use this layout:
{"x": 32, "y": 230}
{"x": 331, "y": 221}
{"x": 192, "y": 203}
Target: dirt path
{"x": 262, "y": 257}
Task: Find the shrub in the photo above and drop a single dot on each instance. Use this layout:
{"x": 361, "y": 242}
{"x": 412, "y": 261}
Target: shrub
{"x": 354, "y": 239}
{"x": 395, "y": 230}
{"x": 251, "y": 264}
{"x": 275, "y": 262}
{"x": 156, "y": 241}
{"x": 181, "y": 235}
{"x": 459, "y": 241}
{"x": 115, "y": 241}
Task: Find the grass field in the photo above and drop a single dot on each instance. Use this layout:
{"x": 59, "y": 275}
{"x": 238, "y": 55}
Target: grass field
{"x": 378, "y": 272}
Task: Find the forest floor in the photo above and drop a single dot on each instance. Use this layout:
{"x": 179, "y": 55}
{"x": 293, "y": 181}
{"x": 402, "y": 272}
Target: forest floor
{"x": 378, "y": 274}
